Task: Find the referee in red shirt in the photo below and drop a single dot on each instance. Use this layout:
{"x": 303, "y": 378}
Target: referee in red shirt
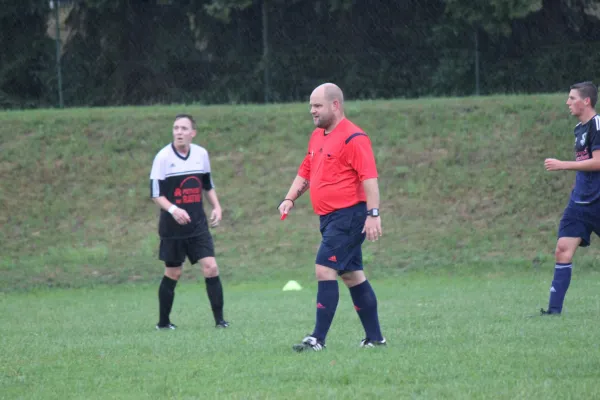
{"x": 340, "y": 170}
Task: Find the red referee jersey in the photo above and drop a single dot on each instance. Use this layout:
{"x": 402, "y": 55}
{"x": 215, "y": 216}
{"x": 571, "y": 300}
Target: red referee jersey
{"x": 336, "y": 164}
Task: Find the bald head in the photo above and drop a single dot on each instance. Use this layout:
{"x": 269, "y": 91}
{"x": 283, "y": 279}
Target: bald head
{"x": 327, "y": 106}
{"x": 330, "y": 92}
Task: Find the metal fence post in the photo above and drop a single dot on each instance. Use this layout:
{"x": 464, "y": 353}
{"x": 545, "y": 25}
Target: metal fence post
{"x": 476, "y": 62}
{"x": 55, "y": 4}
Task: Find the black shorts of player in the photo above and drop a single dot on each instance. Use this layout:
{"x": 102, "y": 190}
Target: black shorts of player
{"x": 342, "y": 239}
{"x": 174, "y": 251}
{"x": 580, "y": 220}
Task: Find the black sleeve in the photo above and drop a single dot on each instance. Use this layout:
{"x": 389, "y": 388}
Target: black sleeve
{"x": 207, "y": 182}
{"x": 157, "y": 188}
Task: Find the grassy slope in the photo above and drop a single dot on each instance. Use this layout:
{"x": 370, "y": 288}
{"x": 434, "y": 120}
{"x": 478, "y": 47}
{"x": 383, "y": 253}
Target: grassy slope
{"x": 462, "y": 183}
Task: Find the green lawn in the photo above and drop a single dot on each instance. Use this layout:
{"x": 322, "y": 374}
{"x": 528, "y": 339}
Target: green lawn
{"x": 450, "y": 336}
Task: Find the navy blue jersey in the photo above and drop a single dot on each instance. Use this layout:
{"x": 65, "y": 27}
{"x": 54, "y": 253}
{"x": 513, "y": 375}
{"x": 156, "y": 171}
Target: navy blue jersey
{"x": 181, "y": 180}
{"x": 587, "y": 140}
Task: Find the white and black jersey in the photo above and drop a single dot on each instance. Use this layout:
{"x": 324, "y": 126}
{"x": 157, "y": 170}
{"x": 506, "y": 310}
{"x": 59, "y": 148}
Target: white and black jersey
{"x": 181, "y": 180}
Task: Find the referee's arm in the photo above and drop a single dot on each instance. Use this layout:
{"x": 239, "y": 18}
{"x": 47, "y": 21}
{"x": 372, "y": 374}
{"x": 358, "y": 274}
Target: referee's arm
{"x": 299, "y": 186}
{"x": 371, "y": 187}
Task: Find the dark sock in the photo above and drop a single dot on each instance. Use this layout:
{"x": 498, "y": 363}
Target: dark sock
{"x": 166, "y": 295}
{"x": 365, "y": 304}
{"x": 328, "y": 295}
{"x": 560, "y": 285}
{"x": 214, "y": 289}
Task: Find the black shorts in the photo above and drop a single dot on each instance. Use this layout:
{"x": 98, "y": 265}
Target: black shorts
{"x": 174, "y": 251}
{"x": 342, "y": 239}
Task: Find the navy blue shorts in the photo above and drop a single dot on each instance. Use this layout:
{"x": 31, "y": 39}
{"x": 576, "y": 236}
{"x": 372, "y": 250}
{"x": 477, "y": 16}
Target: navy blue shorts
{"x": 342, "y": 239}
{"x": 580, "y": 220}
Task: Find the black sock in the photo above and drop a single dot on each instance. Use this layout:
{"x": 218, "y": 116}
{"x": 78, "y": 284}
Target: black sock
{"x": 166, "y": 295}
{"x": 365, "y": 304}
{"x": 328, "y": 296}
{"x": 214, "y": 289}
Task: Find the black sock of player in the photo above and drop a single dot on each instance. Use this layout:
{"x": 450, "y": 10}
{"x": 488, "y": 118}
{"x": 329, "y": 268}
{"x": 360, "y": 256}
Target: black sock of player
{"x": 365, "y": 304}
{"x": 214, "y": 289}
{"x": 166, "y": 295}
{"x": 328, "y": 296}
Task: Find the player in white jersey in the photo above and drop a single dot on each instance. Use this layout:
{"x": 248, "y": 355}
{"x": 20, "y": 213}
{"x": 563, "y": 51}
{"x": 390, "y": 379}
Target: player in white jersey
{"x": 179, "y": 179}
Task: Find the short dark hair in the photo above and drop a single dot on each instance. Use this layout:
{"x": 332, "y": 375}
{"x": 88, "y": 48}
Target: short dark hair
{"x": 587, "y": 89}
{"x": 188, "y": 116}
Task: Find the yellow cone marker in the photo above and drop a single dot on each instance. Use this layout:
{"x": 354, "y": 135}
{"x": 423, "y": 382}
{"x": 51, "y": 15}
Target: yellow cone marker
{"x": 292, "y": 285}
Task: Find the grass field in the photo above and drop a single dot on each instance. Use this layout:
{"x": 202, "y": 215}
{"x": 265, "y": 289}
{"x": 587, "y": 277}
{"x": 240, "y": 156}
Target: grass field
{"x": 450, "y": 337}
{"x": 469, "y": 218}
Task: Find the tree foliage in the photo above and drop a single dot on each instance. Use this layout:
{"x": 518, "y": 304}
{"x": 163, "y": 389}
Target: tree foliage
{"x": 493, "y": 16}
{"x": 143, "y": 52}
{"x": 26, "y": 59}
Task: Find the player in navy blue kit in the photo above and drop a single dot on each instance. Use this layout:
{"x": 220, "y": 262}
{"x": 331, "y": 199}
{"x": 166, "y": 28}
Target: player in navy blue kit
{"x": 582, "y": 215}
{"x": 180, "y": 176}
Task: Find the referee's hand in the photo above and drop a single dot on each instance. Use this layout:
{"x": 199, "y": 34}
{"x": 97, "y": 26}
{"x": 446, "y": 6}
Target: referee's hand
{"x": 181, "y": 216}
{"x": 373, "y": 228}
{"x": 285, "y": 207}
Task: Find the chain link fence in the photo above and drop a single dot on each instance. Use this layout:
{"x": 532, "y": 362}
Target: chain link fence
{"x": 126, "y": 52}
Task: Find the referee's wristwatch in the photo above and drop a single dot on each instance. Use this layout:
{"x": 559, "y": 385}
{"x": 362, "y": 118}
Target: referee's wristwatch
{"x": 373, "y": 212}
